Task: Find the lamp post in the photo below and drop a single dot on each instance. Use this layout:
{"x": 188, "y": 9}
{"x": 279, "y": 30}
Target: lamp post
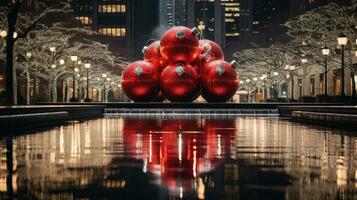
{"x": 342, "y": 41}
{"x": 74, "y": 59}
{"x": 326, "y": 53}
{"x": 291, "y": 68}
{"x": 104, "y": 86}
{"x": 87, "y": 66}
{"x": 79, "y": 83}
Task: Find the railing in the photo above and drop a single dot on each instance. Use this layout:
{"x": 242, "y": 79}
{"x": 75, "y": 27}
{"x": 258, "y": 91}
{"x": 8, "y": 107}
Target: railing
{"x": 155, "y": 111}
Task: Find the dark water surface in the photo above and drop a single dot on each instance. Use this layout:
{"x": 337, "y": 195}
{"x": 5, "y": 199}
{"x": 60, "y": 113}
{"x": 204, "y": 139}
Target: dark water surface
{"x": 197, "y": 158}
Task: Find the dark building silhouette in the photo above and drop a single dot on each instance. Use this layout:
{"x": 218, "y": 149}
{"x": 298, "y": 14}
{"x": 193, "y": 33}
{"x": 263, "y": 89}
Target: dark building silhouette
{"x": 142, "y": 19}
{"x": 209, "y": 18}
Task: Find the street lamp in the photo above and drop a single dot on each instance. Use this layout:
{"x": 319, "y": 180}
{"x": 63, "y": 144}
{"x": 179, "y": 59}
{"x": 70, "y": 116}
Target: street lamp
{"x": 87, "y": 66}
{"x": 291, "y": 75}
{"x": 61, "y": 62}
{"x": 53, "y": 66}
{"x": 326, "y": 53}
{"x": 3, "y": 34}
{"x": 28, "y": 54}
{"x": 342, "y": 41}
{"x": 74, "y": 59}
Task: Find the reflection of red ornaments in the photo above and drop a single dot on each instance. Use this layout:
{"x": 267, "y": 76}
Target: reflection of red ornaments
{"x": 179, "y": 44}
{"x": 159, "y": 97}
{"x": 219, "y": 81}
{"x": 140, "y": 81}
{"x": 152, "y": 54}
{"x": 179, "y": 83}
{"x": 179, "y": 150}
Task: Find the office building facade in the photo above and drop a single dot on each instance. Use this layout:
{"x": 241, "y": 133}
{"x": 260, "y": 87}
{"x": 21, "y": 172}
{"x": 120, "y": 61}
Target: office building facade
{"x": 209, "y": 18}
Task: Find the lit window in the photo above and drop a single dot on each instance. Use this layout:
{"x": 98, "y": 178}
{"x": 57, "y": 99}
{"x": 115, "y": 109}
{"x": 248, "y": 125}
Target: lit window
{"x": 84, "y": 20}
{"x": 112, "y": 8}
{"x": 115, "y": 32}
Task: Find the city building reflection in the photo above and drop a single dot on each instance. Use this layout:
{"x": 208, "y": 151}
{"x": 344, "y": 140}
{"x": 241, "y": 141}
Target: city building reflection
{"x": 188, "y": 158}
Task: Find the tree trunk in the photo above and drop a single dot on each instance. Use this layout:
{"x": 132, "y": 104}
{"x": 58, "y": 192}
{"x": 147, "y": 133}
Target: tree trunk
{"x": 28, "y": 88}
{"x": 99, "y": 95}
{"x": 353, "y": 84}
{"x": 106, "y": 96}
{"x": 49, "y": 90}
{"x": 66, "y": 91}
{"x": 34, "y": 94}
{"x": 10, "y": 80}
{"x": 54, "y": 91}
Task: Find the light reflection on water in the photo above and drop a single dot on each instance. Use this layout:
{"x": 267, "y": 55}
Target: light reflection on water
{"x": 239, "y": 158}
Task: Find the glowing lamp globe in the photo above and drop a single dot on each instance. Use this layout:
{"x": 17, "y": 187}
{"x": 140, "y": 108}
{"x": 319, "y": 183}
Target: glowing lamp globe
{"x": 219, "y": 81}
{"x": 179, "y": 83}
{"x": 140, "y": 81}
{"x": 152, "y": 54}
{"x": 179, "y": 45}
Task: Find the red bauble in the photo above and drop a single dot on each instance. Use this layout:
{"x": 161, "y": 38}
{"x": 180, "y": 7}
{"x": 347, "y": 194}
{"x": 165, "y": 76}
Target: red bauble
{"x": 219, "y": 81}
{"x": 179, "y": 44}
{"x": 198, "y": 63}
{"x": 209, "y": 51}
{"x": 152, "y": 54}
{"x": 140, "y": 81}
{"x": 179, "y": 83}
{"x": 213, "y": 50}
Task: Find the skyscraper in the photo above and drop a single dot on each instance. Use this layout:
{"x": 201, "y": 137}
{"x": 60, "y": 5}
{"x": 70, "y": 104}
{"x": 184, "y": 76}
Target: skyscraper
{"x": 107, "y": 17}
{"x": 127, "y": 23}
{"x": 209, "y": 18}
{"x": 142, "y": 20}
{"x": 232, "y": 17}
{"x": 174, "y": 12}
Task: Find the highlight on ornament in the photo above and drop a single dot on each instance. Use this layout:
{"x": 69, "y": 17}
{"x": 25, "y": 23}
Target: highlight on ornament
{"x": 180, "y": 68}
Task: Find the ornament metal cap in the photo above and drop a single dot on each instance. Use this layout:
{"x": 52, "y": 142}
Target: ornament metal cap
{"x": 144, "y": 49}
{"x": 179, "y": 70}
{"x": 138, "y": 70}
{"x": 195, "y": 31}
{"x": 220, "y": 70}
{"x": 234, "y": 64}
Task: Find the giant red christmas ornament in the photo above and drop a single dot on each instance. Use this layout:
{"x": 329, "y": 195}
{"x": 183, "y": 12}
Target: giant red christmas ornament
{"x": 219, "y": 81}
{"x": 179, "y": 44}
{"x": 179, "y": 83}
{"x": 152, "y": 54}
{"x": 209, "y": 51}
{"x": 140, "y": 81}
{"x": 212, "y": 50}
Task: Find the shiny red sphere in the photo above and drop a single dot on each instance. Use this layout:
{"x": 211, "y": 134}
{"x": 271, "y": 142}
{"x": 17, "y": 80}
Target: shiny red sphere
{"x": 208, "y": 51}
{"x": 179, "y": 83}
{"x": 219, "y": 81}
{"x": 179, "y": 44}
{"x": 213, "y": 50}
{"x": 140, "y": 81}
{"x": 152, "y": 54}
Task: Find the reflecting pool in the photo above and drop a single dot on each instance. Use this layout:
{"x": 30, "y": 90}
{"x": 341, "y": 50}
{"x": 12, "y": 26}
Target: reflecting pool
{"x": 180, "y": 158}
